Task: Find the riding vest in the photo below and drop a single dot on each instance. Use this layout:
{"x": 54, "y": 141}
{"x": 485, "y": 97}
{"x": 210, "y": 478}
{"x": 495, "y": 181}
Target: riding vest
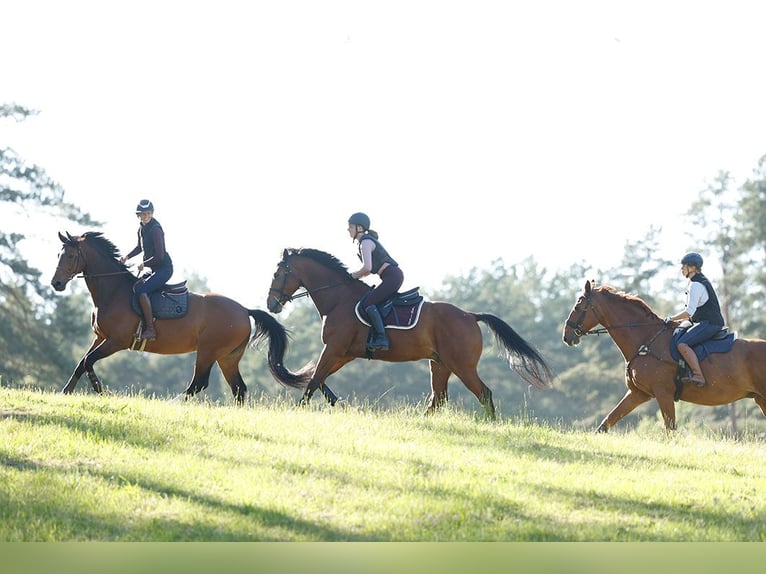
{"x": 711, "y": 310}
{"x": 147, "y": 244}
{"x": 379, "y": 254}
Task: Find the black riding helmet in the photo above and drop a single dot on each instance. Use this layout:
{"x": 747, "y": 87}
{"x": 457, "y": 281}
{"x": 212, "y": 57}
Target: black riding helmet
{"x": 143, "y": 206}
{"x": 694, "y": 259}
{"x": 360, "y": 218}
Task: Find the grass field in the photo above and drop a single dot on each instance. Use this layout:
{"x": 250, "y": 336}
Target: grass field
{"x": 129, "y": 468}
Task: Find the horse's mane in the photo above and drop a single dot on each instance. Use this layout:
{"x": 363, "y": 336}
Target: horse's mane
{"x": 634, "y": 300}
{"x": 321, "y": 257}
{"x": 103, "y": 245}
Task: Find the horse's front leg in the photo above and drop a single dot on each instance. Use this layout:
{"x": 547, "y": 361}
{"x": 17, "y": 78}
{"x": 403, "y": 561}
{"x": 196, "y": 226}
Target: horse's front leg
{"x": 326, "y": 366}
{"x": 667, "y": 408}
{"x": 99, "y": 349}
{"x": 630, "y": 401}
{"x": 81, "y": 368}
{"x": 76, "y": 374}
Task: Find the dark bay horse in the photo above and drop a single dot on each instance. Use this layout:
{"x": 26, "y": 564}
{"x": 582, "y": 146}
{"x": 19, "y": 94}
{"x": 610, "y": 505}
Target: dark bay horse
{"x": 217, "y": 327}
{"x": 447, "y": 336}
{"x": 644, "y": 341}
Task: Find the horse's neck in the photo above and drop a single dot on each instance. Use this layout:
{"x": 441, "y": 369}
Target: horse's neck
{"x": 629, "y": 326}
{"x": 328, "y": 289}
{"x": 107, "y": 285}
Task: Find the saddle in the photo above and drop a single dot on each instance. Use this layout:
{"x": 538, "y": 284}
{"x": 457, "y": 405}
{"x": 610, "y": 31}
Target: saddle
{"x": 169, "y": 302}
{"x": 721, "y": 342}
{"x": 400, "y": 311}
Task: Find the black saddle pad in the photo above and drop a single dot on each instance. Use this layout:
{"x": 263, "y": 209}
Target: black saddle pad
{"x": 170, "y": 302}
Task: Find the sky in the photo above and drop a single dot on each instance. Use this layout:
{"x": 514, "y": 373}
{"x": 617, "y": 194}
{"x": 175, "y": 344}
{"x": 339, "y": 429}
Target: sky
{"x": 469, "y": 131}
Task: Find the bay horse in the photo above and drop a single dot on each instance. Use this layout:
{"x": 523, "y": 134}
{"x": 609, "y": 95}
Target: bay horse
{"x": 644, "y": 341}
{"x": 447, "y": 336}
{"x": 217, "y": 327}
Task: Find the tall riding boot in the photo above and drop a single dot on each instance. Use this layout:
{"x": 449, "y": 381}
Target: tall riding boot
{"x": 380, "y": 339}
{"x": 691, "y": 359}
{"x": 148, "y": 334}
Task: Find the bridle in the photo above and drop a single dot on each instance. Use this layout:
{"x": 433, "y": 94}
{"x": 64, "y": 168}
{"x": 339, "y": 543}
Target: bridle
{"x": 577, "y": 327}
{"x": 283, "y": 297}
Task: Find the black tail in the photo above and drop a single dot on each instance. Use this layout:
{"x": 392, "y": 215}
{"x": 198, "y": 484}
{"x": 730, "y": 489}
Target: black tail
{"x": 522, "y": 357}
{"x": 265, "y": 324}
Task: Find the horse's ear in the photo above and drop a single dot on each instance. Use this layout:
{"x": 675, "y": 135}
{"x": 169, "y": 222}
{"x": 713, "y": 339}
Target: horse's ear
{"x": 588, "y": 286}
{"x": 63, "y": 239}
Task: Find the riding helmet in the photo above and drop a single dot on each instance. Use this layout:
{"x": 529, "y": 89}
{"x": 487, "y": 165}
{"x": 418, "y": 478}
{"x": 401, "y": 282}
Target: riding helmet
{"x": 360, "y": 218}
{"x": 694, "y": 259}
{"x": 143, "y": 206}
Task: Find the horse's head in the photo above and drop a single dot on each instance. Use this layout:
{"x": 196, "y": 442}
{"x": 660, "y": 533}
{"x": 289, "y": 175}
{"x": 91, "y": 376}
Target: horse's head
{"x": 313, "y": 269}
{"x": 284, "y": 284}
{"x": 90, "y": 254}
{"x": 71, "y": 261}
{"x": 582, "y": 318}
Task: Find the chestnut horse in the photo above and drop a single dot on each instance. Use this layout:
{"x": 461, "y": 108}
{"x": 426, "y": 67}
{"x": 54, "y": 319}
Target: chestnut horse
{"x": 644, "y": 341}
{"x": 217, "y": 327}
{"x": 447, "y": 336}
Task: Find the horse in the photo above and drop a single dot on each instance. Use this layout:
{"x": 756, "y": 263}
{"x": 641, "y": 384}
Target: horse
{"x": 216, "y": 327}
{"x": 449, "y": 337}
{"x": 644, "y": 340}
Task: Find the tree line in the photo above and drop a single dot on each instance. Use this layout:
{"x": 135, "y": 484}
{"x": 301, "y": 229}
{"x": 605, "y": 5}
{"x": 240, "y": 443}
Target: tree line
{"x": 43, "y": 336}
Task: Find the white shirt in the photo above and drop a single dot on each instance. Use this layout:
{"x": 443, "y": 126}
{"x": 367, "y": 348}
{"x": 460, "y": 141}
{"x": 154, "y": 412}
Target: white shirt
{"x": 696, "y": 296}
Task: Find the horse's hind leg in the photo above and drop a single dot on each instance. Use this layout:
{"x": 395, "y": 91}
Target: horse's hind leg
{"x": 439, "y": 377}
{"x": 473, "y": 383}
{"x": 230, "y": 368}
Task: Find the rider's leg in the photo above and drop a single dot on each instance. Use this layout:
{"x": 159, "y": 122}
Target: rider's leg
{"x": 690, "y": 357}
{"x": 148, "y": 333}
{"x": 380, "y": 339}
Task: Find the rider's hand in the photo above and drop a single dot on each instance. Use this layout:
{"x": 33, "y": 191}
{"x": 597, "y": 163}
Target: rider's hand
{"x": 668, "y": 319}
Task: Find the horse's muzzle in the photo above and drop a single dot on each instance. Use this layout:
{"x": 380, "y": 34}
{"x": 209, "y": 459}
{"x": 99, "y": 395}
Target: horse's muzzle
{"x": 571, "y": 339}
{"x": 273, "y": 305}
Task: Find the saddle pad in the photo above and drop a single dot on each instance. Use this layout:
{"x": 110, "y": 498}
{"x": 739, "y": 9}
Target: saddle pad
{"x": 705, "y": 348}
{"x": 165, "y": 305}
{"x": 400, "y": 317}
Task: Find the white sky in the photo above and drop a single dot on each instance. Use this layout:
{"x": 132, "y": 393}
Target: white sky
{"x": 467, "y": 130}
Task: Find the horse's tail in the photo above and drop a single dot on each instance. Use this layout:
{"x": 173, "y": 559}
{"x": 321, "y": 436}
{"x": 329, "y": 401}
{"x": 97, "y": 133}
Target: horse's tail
{"x": 522, "y": 357}
{"x": 265, "y": 324}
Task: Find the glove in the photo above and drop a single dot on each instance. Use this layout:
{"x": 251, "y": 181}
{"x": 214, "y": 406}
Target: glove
{"x": 668, "y": 319}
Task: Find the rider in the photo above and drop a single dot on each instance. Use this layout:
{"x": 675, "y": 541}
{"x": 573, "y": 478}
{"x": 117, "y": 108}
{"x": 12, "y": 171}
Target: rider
{"x": 151, "y": 240}
{"x": 704, "y": 312}
{"x": 375, "y": 259}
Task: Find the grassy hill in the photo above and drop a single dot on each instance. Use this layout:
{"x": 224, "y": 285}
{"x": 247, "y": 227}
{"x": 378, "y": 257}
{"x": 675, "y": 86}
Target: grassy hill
{"x": 129, "y": 468}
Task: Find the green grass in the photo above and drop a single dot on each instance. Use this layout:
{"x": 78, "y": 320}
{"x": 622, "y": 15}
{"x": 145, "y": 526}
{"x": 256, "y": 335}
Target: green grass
{"x": 128, "y": 468}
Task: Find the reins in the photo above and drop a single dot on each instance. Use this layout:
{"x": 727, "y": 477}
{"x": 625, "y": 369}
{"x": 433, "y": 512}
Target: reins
{"x": 84, "y": 276}
{"x": 307, "y": 292}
